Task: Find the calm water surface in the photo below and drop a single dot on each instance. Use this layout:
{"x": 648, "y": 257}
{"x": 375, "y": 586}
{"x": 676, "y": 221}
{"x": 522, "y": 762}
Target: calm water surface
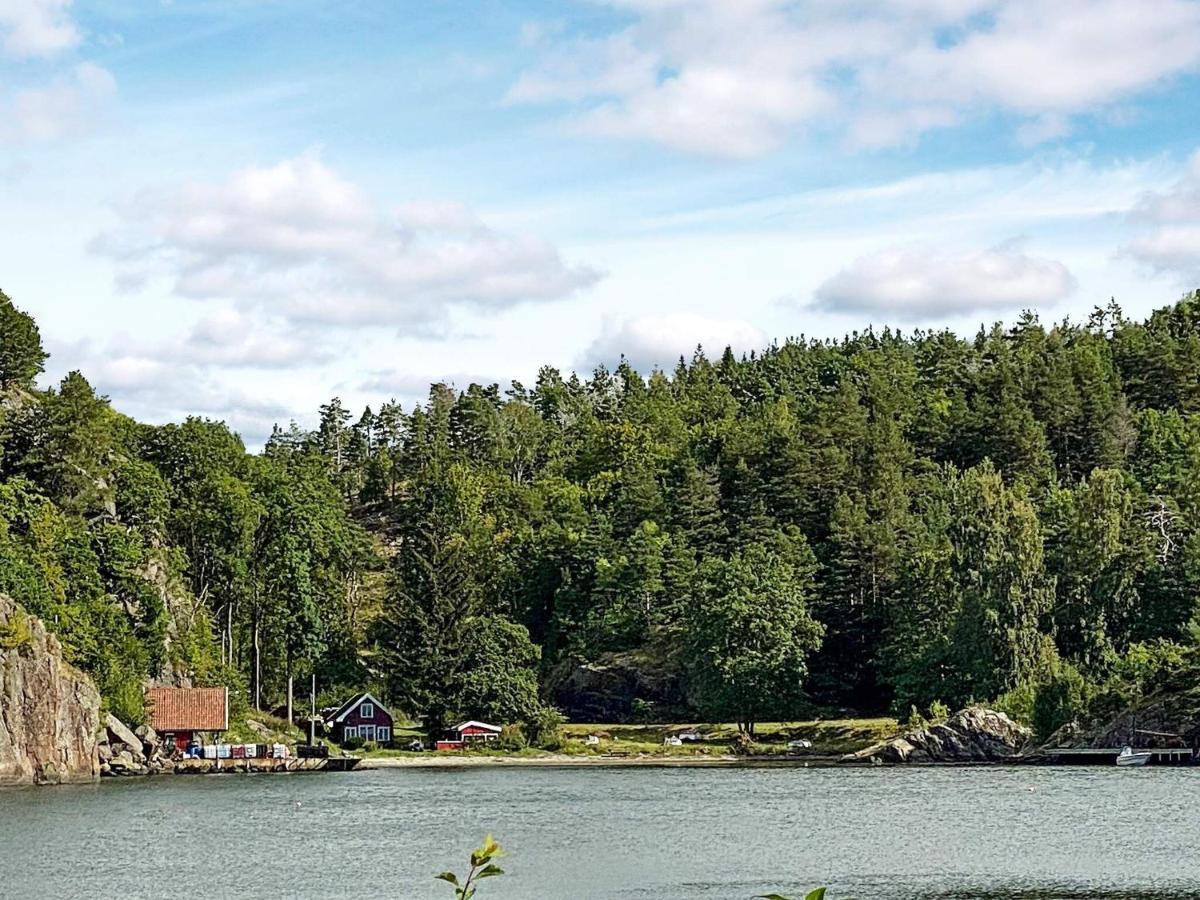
{"x": 594, "y": 833}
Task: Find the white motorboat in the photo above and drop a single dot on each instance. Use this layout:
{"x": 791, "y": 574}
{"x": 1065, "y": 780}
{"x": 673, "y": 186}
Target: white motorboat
{"x": 1131, "y": 757}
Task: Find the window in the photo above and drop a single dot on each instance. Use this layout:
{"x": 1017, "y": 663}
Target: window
{"x": 367, "y": 711}
{"x": 366, "y": 732}
{"x": 350, "y": 731}
{"x": 383, "y": 734}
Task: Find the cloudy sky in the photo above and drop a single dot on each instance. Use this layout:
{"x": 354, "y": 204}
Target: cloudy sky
{"x": 239, "y": 208}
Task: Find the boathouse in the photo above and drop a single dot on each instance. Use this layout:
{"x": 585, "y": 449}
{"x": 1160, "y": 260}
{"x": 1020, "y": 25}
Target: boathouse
{"x": 179, "y": 715}
{"x": 466, "y": 733}
{"x": 362, "y": 717}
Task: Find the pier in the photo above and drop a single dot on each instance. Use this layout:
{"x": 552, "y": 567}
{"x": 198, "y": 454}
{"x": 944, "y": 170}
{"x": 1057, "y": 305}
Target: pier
{"x": 1107, "y": 756}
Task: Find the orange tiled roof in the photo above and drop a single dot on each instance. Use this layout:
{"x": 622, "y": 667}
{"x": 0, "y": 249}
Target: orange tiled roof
{"x": 188, "y": 709}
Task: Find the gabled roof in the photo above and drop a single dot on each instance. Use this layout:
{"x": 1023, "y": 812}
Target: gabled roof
{"x": 463, "y": 726}
{"x": 353, "y": 703}
{"x": 188, "y": 709}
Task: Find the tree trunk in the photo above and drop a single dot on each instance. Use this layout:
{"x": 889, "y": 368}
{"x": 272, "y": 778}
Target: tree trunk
{"x": 257, "y": 663}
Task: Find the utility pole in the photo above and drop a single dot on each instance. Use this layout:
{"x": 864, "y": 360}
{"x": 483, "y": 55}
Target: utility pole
{"x": 312, "y": 719}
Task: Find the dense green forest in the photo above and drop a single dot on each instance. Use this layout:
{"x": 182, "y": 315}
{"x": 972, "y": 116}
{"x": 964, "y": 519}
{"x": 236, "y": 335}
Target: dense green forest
{"x": 880, "y": 522}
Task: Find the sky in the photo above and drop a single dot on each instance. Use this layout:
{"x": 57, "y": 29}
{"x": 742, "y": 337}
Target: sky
{"x": 239, "y": 209}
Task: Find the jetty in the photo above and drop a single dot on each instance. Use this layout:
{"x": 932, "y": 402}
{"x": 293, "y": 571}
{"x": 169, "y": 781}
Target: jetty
{"x": 1107, "y": 756}
{"x": 265, "y": 766}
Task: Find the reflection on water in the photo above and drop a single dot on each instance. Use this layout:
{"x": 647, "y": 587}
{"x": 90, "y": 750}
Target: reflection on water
{"x": 617, "y": 834}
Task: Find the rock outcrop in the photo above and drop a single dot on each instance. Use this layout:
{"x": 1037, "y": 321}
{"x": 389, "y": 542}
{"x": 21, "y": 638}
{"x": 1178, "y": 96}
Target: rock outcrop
{"x": 49, "y": 710}
{"x": 974, "y": 734}
{"x": 1170, "y": 719}
{"x": 620, "y": 687}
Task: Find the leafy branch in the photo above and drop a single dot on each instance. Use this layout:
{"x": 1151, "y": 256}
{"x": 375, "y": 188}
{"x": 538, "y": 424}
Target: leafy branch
{"x": 482, "y": 866}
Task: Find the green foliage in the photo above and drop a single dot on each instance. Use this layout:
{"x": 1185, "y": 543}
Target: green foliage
{"x": 884, "y": 521}
{"x": 939, "y": 712}
{"x": 15, "y": 633}
{"x": 483, "y": 865}
{"x": 545, "y": 729}
{"x": 749, "y": 633}
{"x": 21, "y": 355}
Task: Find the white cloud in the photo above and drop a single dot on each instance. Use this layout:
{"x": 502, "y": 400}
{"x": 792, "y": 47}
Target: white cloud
{"x": 70, "y": 105}
{"x": 1170, "y": 242}
{"x": 36, "y": 28}
{"x": 1170, "y": 220}
{"x": 737, "y": 79}
{"x": 918, "y": 283}
{"x": 648, "y": 342}
{"x": 298, "y": 240}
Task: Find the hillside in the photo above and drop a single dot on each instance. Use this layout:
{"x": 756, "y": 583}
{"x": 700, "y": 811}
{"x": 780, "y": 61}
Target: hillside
{"x": 880, "y": 522}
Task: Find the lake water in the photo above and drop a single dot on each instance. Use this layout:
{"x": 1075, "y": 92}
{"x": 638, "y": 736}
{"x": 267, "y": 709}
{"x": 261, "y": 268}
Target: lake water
{"x": 591, "y": 833}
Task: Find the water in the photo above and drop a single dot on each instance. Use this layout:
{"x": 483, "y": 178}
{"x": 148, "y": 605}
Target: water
{"x": 591, "y": 833}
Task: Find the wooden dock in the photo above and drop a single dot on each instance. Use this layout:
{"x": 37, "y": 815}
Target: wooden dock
{"x": 265, "y": 766}
{"x": 1107, "y": 756}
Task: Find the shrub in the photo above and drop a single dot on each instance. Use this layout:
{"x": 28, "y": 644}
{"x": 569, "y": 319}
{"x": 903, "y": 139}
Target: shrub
{"x": 939, "y": 712}
{"x": 512, "y": 737}
{"x": 1062, "y": 698}
{"x": 915, "y": 719}
{"x": 1018, "y": 703}
{"x": 352, "y": 743}
{"x": 370, "y": 746}
{"x": 545, "y": 731}
{"x": 15, "y": 633}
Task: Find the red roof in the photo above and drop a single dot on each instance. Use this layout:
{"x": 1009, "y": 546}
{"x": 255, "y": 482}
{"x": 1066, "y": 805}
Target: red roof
{"x": 188, "y": 709}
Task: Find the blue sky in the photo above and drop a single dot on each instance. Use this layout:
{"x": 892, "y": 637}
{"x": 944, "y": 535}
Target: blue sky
{"x": 238, "y": 208}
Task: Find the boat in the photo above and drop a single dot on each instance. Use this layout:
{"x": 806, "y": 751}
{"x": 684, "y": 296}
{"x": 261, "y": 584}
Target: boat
{"x": 1131, "y": 757}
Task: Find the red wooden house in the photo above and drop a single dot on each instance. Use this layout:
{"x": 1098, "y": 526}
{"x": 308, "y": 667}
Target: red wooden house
{"x": 180, "y": 714}
{"x": 468, "y": 733}
{"x": 363, "y": 717}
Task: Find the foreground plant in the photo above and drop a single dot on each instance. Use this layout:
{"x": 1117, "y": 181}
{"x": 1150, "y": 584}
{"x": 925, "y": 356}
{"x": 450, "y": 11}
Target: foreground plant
{"x": 482, "y": 866}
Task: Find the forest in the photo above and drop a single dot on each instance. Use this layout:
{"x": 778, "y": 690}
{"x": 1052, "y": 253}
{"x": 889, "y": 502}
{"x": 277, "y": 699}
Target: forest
{"x": 886, "y": 521}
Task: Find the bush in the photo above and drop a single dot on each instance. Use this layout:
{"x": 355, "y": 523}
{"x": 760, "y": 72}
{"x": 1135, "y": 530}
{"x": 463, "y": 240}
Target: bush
{"x": 915, "y": 719}
{"x": 939, "y": 712}
{"x": 15, "y": 633}
{"x": 370, "y": 746}
{"x": 1018, "y": 703}
{"x": 545, "y": 731}
{"x": 1062, "y": 698}
{"x": 512, "y": 737}
{"x": 352, "y": 743}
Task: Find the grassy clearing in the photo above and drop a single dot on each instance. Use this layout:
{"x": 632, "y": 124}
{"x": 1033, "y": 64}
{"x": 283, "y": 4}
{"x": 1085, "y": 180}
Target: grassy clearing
{"x": 830, "y": 737}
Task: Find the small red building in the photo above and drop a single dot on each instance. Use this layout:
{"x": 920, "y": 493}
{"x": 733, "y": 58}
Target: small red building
{"x": 363, "y": 717}
{"x": 179, "y": 714}
{"x": 466, "y": 733}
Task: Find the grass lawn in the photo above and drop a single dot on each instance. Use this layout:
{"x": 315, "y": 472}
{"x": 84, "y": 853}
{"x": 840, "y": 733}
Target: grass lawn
{"x": 830, "y": 737}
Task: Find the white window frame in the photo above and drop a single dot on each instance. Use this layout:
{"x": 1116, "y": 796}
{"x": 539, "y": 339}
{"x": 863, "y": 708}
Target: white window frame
{"x": 367, "y": 711}
{"x": 366, "y": 732}
{"x": 350, "y": 731}
{"x": 383, "y": 734}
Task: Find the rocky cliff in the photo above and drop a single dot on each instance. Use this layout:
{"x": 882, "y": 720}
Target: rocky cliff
{"x": 49, "y": 710}
{"x": 974, "y": 734}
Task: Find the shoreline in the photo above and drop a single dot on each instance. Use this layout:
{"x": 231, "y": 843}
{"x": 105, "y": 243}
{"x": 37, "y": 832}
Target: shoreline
{"x": 568, "y": 761}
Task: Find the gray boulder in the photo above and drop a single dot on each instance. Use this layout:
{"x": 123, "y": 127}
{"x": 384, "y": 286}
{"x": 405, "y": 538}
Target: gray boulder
{"x": 119, "y": 734}
{"x": 971, "y": 735}
{"x": 149, "y": 738}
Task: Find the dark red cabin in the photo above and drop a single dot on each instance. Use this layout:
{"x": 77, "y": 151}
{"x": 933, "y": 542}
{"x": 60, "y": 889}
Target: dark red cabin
{"x": 363, "y": 717}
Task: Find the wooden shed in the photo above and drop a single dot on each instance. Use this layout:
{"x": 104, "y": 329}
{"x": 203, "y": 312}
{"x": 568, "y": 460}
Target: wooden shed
{"x": 179, "y": 714}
